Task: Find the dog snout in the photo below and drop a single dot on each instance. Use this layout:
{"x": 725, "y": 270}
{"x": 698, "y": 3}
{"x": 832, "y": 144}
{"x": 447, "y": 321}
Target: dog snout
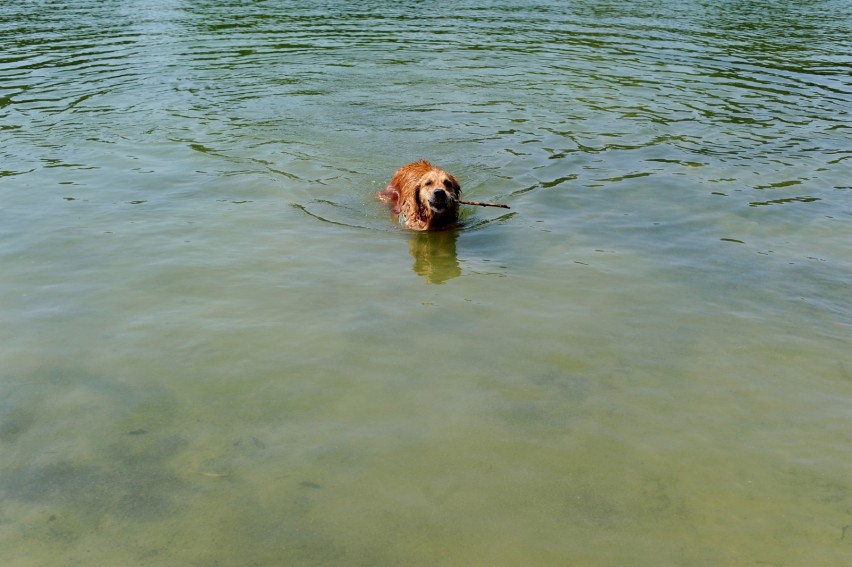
{"x": 439, "y": 200}
{"x": 439, "y": 196}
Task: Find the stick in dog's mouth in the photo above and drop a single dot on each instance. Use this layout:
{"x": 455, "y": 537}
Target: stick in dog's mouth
{"x": 484, "y": 204}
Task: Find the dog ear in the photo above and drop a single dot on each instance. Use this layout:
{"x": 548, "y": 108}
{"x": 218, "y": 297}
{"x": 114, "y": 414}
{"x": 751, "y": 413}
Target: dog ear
{"x": 455, "y": 183}
{"x": 418, "y": 203}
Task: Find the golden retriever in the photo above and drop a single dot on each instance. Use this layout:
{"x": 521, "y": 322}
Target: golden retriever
{"x": 423, "y": 197}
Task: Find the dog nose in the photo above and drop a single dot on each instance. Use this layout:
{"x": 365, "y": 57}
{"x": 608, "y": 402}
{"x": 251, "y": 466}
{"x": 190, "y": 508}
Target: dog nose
{"x": 439, "y": 197}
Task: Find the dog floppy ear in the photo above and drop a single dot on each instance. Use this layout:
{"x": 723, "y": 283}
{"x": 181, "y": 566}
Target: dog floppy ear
{"x": 410, "y": 211}
{"x": 455, "y": 183}
{"x": 418, "y": 203}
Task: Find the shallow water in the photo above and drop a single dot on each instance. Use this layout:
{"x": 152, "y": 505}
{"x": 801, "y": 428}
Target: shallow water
{"x": 217, "y": 349}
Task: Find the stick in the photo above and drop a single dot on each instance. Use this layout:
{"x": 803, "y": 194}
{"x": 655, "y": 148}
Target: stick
{"x": 484, "y": 204}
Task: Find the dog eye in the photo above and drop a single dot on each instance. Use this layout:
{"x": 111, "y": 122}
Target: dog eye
{"x": 428, "y": 183}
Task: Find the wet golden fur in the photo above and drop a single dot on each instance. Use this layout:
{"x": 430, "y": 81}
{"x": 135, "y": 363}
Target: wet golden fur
{"x": 423, "y": 196}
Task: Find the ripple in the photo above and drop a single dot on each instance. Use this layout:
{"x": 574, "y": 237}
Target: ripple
{"x": 363, "y": 217}
{"x": 605, "y": 78}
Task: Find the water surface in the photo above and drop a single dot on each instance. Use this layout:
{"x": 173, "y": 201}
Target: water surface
{"x": 217, "y": 349}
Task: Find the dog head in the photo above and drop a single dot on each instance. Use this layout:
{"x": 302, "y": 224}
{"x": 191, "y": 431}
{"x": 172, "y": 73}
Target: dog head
{"x": 428, "y": 196}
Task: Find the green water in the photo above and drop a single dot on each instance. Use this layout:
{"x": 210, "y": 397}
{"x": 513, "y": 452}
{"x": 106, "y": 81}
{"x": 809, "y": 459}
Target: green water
{"x": 217, "y": 350}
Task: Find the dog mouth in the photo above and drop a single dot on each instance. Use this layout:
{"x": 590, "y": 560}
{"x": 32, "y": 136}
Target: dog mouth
{"x": 439, "y": 201}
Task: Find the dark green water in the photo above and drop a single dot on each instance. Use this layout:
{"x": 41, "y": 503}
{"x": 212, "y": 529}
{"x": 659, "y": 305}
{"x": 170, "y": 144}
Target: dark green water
{"x": 217, "y": 350}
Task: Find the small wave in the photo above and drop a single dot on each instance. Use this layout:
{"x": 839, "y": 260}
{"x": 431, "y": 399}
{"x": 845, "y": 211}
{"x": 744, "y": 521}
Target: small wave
{"x": 362, "y": 218}
{"x": 784, "y": 201}
{"x": 330, "y": 212}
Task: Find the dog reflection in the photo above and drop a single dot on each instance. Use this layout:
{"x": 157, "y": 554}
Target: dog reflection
{"x": 435, "y": 255}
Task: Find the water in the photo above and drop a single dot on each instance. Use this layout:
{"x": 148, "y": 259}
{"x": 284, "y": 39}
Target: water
{"x": 217, "y": 349}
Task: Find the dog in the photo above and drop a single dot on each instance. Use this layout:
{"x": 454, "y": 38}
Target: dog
{"x": 423, "y": 197}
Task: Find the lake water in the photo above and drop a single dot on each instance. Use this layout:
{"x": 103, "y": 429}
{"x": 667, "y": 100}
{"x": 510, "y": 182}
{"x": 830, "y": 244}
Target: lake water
{"x": 216, "y": 349}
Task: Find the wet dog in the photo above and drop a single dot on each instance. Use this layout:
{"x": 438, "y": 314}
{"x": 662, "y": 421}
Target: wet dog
{"x": 423, "y": 197}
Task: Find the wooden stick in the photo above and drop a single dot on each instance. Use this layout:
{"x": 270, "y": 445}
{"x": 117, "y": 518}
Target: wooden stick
{"x": 484, "y": 204}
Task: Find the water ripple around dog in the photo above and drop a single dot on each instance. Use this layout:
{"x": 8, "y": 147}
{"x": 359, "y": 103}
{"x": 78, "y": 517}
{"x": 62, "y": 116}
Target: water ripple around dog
{"x": 354, "y": 216}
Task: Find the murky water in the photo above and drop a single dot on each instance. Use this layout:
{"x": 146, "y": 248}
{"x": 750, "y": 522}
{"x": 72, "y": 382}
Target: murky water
{"x": 217, "y": 349}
